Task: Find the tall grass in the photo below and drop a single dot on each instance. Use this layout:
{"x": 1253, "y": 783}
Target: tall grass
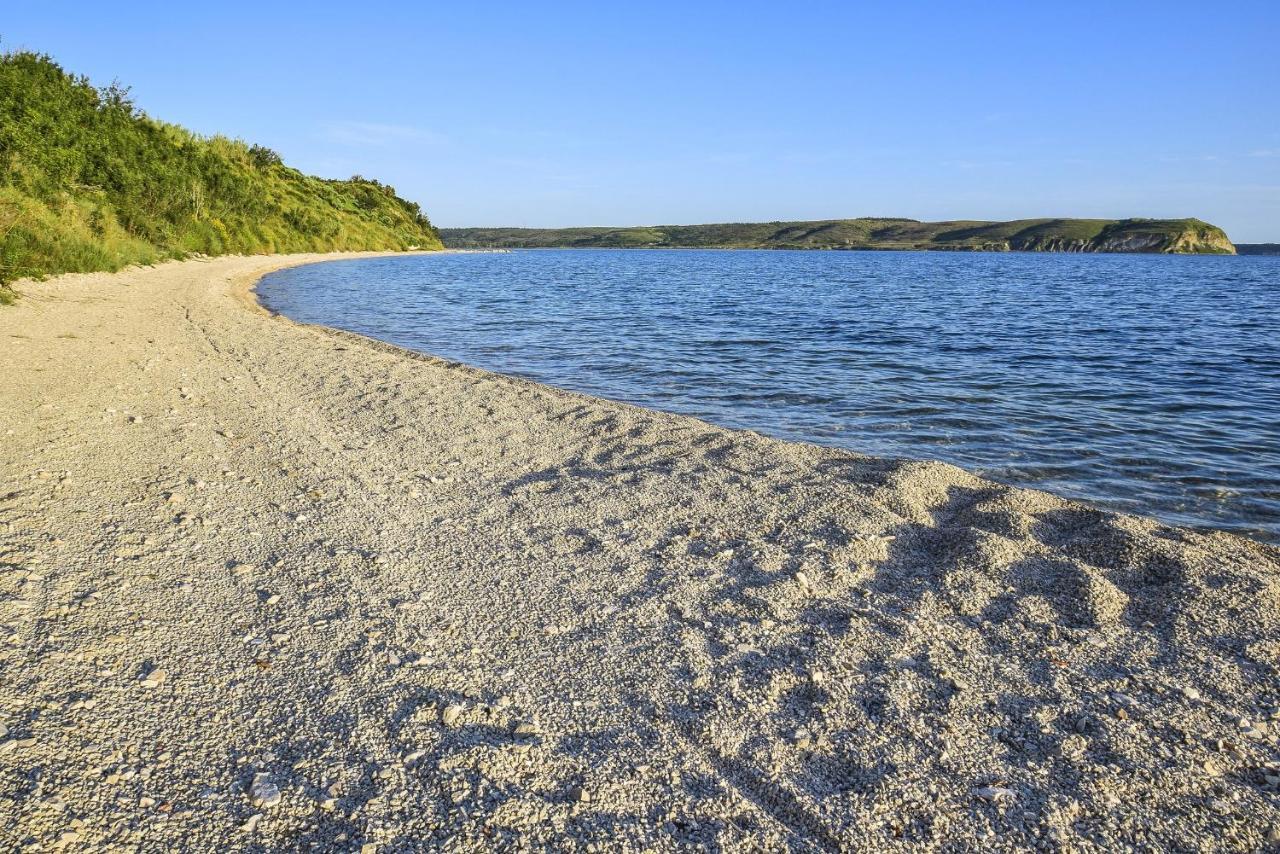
{"x": 88, "y": 182}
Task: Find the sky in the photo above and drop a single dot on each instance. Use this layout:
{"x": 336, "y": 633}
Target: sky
{"x": 558, "y": 114}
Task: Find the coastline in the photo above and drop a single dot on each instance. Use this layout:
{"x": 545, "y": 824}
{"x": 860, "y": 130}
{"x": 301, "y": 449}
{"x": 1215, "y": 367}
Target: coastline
{"x": 429, "y": 602}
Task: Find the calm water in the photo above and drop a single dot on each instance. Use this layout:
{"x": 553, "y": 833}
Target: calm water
{"x": 1147, "y": 383}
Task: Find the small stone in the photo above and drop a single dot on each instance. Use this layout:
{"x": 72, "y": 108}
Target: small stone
{"x": 369, "y": 848}
{"x": 241, "y": 569}
{"x": 580, "y": 795}
{"x": 329, "y": 804}
{"x": 175, "y": 498}
{"x": 155, "y": 678}
{"x": 250, "y": 825}
{"x": 69, "y": 837}
{"x": 995, "y": 794}
{"x": 451, "y": 714}
{"x": 526, "y": 729}
{"x": 263, "y": 792}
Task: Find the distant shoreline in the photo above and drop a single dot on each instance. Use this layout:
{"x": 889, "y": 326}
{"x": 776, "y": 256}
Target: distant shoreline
{"x": 849, "y": 249}
{"x": 1148, "y": 236}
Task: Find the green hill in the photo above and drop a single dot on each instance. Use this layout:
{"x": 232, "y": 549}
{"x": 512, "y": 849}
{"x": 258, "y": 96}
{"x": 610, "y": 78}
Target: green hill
{"x": 1035, "y": 235}
{"x": 87, "y": 182}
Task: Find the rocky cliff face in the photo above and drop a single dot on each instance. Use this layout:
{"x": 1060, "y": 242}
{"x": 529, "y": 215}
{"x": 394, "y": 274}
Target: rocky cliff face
{"x": 1054, "y": 244}
{"x": 1190, "y": 237}
{"x": 1208, "y": 238}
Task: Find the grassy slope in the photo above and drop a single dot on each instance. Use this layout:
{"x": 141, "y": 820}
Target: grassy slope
{"x": 1095, "y": 235}
{"x": 89, "y": 183}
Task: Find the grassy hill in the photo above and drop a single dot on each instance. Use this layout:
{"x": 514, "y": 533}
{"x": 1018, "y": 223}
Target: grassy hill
{"x": 1036, "y": 235}
{"x": 87, "y": 182}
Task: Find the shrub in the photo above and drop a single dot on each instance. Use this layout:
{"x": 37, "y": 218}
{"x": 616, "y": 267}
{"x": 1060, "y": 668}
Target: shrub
{"x": 88, "y": 182}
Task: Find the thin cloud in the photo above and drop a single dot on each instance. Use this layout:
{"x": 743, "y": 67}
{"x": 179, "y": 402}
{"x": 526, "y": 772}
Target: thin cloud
{"x": 1190, "y": 158}
{"x": 978, "y": 164}
{"x": 366, "y": 134}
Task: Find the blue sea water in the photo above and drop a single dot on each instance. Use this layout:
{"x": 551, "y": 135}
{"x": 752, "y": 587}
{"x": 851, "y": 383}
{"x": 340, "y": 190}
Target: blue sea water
{"x": 1145, "y": 383}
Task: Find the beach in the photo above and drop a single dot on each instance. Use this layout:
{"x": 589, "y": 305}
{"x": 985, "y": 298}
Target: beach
{"x": 266, "y": 585}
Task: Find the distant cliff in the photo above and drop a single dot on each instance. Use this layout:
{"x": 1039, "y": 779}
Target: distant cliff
{"x": 1182, "y": 236}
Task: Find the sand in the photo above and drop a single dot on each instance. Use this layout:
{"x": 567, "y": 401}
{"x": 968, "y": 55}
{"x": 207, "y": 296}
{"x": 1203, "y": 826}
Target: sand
{"x": 271, "y": 586}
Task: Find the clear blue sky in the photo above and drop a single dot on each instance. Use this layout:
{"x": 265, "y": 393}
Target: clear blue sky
{"x": 591, "y": 113}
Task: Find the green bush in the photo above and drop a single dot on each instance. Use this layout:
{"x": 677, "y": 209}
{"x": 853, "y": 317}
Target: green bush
{"x": 87, "y": 182}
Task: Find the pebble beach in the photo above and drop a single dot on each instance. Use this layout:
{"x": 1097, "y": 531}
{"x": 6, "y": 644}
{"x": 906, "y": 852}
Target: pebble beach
{"x": 271, "y": 586}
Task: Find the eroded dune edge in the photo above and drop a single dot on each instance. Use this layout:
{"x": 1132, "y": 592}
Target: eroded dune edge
{"x": 266, "y": 585}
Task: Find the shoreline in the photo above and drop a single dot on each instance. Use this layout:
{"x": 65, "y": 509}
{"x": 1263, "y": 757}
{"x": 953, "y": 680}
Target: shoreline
{"x": 371, "y": 596}
{"x": 965, "y": 250}
{"x": 1176, "y": 515}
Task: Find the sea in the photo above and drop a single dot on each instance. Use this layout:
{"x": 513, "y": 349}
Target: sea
{"x": 1148, "y": 384}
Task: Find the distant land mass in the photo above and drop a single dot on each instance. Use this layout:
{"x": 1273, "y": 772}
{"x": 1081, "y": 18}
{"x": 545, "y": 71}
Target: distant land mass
{"x": 1183, "y": 236}
{"x": 1258, "y": 248}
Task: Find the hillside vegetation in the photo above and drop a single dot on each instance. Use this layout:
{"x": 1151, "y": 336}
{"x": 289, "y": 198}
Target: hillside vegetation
{"x": 1061, "y": 235}
{"x": 87, "y": 182}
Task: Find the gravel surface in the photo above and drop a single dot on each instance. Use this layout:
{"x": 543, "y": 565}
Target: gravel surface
{"x": 271, "y": 586}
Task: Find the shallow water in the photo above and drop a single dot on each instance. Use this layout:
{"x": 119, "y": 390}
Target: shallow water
{"x": 1147, "y": 383}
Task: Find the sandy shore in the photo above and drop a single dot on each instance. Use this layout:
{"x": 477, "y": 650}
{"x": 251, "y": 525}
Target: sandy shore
{"x": 265, "y": 585}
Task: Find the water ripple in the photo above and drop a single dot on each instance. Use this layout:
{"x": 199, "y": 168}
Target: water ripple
{"x": 1149, "y": 383}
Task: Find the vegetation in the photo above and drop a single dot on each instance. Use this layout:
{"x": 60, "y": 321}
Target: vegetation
{"x": 1070, "y": 235}
{"x": 1258, "y": 248}
{"x": 87, "y": 182}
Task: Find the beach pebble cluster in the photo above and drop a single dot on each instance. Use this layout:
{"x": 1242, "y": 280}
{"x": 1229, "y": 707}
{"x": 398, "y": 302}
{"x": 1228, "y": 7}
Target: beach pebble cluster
{"x": 271, "y": 587}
